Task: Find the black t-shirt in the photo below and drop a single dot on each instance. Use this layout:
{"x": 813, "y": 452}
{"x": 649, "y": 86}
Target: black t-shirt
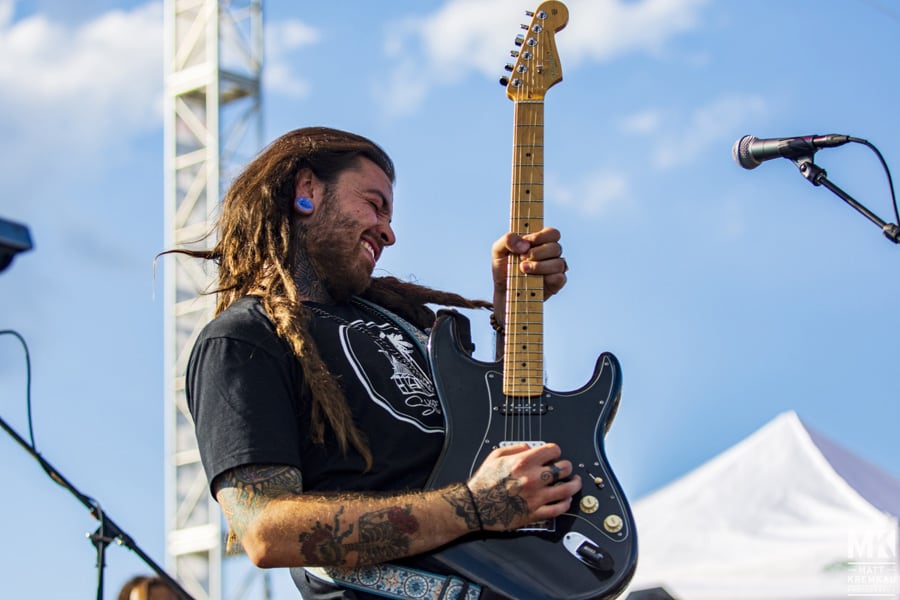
{"x": 246, "y": 395}
{"x": 245, "y": 392}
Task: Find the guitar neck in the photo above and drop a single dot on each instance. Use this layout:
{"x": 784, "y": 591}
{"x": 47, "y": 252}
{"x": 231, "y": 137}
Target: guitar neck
{"x": 523, "y": 373}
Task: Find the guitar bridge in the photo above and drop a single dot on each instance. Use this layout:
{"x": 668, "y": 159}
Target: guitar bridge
{"x": 531, "y": 443}
{"x": 547, "y": 526}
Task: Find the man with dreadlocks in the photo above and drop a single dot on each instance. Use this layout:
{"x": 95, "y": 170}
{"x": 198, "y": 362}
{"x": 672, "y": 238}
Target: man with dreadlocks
{"x": 317, "y": 420}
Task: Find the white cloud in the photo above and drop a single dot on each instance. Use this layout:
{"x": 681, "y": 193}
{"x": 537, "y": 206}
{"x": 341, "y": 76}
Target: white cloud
{"x": 442, "y": 48}
{"x": 593, "y": 194}
{"x": 675, "y": 140}
{"x": 281, "y": 39}
{"x": 708, "y": 125}
{"x": 81, "y": 87}
{"x": 404, "y": 91}
{"x": 643, "y": 122}
{"x": 290, "y": 34}
{"x": 465, "y": 36}
{"x": 600, "y": 30}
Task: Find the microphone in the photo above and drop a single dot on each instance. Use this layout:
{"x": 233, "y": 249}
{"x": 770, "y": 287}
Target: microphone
{"x": 750, "y": 152}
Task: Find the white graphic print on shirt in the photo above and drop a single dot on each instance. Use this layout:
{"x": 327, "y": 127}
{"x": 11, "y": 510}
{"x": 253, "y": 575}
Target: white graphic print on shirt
{"x": 413, "y": 384}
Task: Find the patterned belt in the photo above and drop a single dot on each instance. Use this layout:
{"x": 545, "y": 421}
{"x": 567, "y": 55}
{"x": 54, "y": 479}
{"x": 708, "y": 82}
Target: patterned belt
{"x": 400, "y": 583}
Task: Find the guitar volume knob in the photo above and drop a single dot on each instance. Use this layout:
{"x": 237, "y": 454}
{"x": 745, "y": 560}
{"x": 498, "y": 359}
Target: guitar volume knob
{"x": 613, "y": 523}
{"x": 589, "y": 504}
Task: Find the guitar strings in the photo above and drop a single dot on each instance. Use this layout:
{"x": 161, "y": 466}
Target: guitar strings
{"x": 535, "y": 385}
{"x": 512, "y": 294}
{"x": 512, "y": 288}
{"x": 523, "y": 411}
{"x": 523, "y": 399}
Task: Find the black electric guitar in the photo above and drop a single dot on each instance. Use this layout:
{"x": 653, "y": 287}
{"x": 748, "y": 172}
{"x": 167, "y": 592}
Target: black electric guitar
{"x": 591, "y": 551}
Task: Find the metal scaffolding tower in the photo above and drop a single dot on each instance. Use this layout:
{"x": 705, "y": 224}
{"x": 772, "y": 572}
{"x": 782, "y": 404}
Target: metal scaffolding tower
{"x": 213, "y": 124}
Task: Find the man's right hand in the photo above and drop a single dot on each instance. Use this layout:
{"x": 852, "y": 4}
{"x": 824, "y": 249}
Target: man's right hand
{"x": 518, "y": 485}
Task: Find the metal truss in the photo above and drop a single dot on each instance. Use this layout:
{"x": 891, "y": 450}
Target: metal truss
{"x": 213, "y": 124}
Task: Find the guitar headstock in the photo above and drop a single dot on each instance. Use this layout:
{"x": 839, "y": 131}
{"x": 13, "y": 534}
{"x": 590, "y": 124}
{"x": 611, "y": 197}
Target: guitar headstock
{"x": 537, "y": 66}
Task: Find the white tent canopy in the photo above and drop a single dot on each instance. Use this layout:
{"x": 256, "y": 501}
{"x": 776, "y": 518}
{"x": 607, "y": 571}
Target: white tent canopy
{"x": 785, "y": 513}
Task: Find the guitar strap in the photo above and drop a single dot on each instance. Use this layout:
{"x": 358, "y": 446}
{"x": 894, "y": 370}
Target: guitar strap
{"x": 414, "y": 332}
{"x": 398, "y": 582}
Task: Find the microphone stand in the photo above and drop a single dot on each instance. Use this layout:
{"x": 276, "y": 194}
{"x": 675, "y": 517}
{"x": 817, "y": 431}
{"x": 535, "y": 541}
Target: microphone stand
{"x": 107, "y": 532}
{"x": 817, "y": 176}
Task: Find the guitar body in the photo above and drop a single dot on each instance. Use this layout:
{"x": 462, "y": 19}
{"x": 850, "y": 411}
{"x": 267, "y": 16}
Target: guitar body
{"x": 589, "y": 552}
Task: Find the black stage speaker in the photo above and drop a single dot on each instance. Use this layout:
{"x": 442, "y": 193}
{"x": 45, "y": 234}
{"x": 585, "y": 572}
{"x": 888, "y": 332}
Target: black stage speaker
{"x": 14, "y": 238}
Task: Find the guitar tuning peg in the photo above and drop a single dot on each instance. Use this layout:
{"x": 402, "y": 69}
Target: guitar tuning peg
{"x": 520, "y": 39}
{"x": 504, "y": 80}
{"x": 524, "y": 26}
{"x": 514, "y": 53}
{"x": 509, "y": 67}
{"x": 529, "y": 14}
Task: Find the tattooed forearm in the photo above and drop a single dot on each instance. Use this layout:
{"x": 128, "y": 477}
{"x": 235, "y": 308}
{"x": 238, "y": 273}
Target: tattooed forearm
{"x": 243, "y": 491}
{"x": 382, "y": 535}
{"x": 459, "y": 498}
{"x": 324, "y": 544}
{"x": 385, "y": 534}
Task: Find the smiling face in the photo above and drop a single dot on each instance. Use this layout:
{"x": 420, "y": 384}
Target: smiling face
{"x": 346, "y": 233}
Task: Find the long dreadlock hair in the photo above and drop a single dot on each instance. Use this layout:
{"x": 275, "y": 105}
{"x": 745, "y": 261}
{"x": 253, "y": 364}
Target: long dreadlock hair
{"x": 256, "y": 250}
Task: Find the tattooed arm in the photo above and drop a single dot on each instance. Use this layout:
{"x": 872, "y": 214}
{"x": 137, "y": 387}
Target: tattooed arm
{"x": 279, "y": 525}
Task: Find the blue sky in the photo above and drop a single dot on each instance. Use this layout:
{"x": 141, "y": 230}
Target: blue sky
{"x": 729, "y": 296}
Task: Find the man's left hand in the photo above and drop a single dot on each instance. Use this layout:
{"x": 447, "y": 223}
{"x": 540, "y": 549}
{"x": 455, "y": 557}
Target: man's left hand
{"x": 540, "y": 254}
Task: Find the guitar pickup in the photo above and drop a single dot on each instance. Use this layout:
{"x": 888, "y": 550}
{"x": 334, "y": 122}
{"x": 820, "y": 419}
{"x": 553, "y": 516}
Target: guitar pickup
{"x": 522, "y": 408}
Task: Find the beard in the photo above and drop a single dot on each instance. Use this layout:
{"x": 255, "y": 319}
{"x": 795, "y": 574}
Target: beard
{"x": 330, "y": 250}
